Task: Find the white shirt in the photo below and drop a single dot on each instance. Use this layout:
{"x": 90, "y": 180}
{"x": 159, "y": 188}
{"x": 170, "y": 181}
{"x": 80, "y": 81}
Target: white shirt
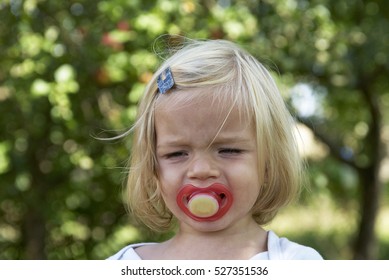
{"x": 278, "y": 249}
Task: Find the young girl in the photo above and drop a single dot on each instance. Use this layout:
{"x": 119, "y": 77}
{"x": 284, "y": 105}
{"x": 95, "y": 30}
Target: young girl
{"x": 214, "y": 153}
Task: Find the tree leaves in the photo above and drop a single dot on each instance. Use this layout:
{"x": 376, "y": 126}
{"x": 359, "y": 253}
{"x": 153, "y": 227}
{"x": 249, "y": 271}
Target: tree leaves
{"x": 72, "y": 70}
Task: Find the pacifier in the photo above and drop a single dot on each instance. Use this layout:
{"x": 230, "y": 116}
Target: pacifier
{"x": 204, "y": 204}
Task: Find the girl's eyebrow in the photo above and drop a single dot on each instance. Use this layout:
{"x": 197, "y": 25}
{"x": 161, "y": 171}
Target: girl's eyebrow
{"x": 219, "y": 140}
{"x": 231, "y": 141}
{"x": 235, "y": 138}
{"x": 172, "y": 143}
{"x": 232, "y": 138}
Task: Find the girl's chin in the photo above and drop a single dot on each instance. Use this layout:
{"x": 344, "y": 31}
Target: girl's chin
{"x": 205, "y": 227}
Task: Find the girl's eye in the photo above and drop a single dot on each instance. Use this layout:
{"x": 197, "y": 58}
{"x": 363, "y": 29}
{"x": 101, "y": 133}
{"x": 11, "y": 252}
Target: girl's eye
{"x": 230, "y": 151}
{"x": 175, "y": 155}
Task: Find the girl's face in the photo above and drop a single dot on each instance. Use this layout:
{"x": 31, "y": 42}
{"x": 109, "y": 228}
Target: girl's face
{"x": 195, "y": 146}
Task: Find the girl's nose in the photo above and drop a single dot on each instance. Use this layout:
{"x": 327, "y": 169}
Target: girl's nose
{"x": 203, "y": 168}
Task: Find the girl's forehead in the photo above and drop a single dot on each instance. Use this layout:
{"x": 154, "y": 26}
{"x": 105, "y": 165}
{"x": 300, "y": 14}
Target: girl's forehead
{"x": 179, "y": 98}
{"x": 215, "y": 98}
{"x": 202, "y": 124}
{"x": 202, "y": 109}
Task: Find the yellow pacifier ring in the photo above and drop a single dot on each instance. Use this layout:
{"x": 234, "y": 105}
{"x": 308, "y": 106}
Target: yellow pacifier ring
{"x": 203, "y": 205}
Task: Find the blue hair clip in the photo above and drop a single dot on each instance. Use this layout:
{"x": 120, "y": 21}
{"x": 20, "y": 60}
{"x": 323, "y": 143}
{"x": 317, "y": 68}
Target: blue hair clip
{"x": 165, "y": 80}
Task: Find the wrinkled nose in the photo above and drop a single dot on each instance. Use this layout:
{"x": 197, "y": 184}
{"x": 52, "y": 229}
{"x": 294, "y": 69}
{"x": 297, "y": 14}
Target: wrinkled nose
{"x": 203, "y": 168}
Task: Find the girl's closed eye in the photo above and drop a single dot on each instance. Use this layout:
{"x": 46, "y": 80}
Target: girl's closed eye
{"x": 230, "y": 151}
{"x": 177, "y": 154}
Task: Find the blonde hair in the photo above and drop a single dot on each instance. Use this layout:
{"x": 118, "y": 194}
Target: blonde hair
{"x": 246, "y": 84}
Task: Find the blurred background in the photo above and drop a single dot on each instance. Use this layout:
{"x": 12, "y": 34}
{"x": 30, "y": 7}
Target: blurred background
{"x": 71, "y": 70}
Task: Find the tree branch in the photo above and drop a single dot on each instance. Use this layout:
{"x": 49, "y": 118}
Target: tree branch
{"x": 375, "y": 114}
{"x": 335, "y": 149}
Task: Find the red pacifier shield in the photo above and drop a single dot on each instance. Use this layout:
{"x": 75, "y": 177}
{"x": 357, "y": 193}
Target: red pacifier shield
{"x": 204, "y": 204}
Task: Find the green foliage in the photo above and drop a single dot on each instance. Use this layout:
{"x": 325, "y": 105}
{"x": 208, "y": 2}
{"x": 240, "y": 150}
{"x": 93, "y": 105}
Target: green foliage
{"x": 71, "y": 70}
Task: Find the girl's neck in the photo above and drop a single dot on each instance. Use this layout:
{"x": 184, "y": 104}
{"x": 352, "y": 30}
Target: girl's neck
{"x": 226, "y": 244}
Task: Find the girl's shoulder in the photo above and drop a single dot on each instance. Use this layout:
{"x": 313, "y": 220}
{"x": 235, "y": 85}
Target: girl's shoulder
{"x": 284, "y": 249}
{"x": 129, "y": 253}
